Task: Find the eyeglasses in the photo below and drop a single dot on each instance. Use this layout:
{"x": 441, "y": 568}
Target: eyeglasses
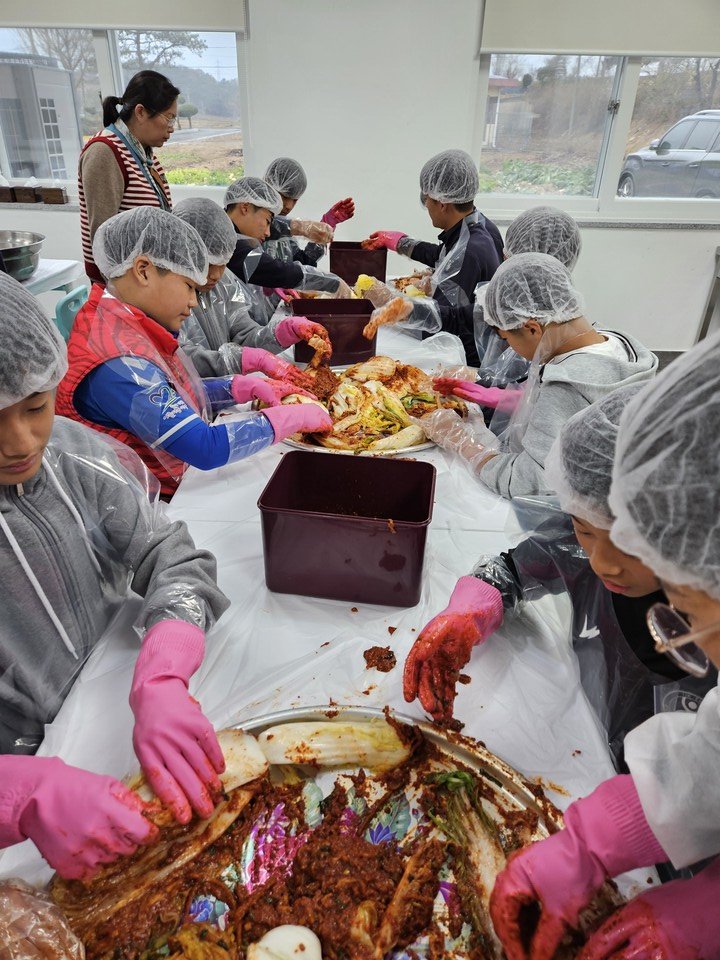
{"x": 674, "y": 636}
{"x": 171, "y": 121}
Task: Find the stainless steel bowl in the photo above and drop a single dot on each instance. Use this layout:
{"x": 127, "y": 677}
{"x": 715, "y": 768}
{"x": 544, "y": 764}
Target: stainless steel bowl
{"x": 20, "y": 251}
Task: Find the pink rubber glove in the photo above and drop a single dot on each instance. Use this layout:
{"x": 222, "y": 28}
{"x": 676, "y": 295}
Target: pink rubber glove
{"x": 677, "y": 921}
{"x": 605, "y": 834}
{"x": 286, "y": 295}
{"x": 270, "y": 392}
{"x": 298, "y": 418}
{"x": 383, "y": 238}
{"x": 255, "y": 360}
{"x": 445, "y": 645}
{"x": 293, "y": 329}
{"x": 77, "y": 820}
{"x": 339, "y": 212}
{"x": 495, "y": 397}
{"x": 174, "y": 742}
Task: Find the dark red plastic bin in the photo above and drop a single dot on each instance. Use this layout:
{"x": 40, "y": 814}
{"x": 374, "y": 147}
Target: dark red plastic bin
{"x": 347, "y": 528}
{"x": 345, "y": 321}
{"x": 349, "y": 260}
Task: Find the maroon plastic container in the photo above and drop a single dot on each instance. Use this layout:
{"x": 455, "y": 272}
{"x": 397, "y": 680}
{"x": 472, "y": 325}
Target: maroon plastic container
{"x": 327, "y": 529}
{"x": 345, "y": 321}
{"x": 349, "y": 260}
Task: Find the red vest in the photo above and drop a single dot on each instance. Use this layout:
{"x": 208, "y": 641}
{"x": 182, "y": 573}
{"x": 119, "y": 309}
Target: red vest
{"x": 138, "y": 192}
{"x": 121, "y": 330}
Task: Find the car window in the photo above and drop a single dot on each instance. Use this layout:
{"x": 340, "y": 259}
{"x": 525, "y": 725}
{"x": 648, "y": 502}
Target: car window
{"x": 675, "y": 138}
{"x": 703, "y": 135}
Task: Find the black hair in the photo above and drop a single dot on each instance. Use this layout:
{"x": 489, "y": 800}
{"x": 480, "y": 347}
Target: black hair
{"x": 465, "y": 207}
{"x": 149, "y": 88}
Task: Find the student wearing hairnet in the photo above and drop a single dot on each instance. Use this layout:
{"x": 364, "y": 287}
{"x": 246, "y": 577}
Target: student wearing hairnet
{"x": 469, "y": 251}
{"x": 535, "y": 308}
{"x": 289, "y": 179}
{"x": 79, "y": 528}
{"x": 665, "y": 498}
{"x": 622, "y": 673}
{"x": 220, "y": 336}
{"x": 251, "y": 204}
{"x": 128, "y": 378}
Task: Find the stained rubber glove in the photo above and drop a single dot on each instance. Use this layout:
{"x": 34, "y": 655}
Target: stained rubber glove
{"x": 293, "y": 329}
{"x": 270, "y": 392}
{"x": 494, "y": 397}
{"x": 677, "y": 921}
{"x": 445, "y": 644}
{"x": 286, "y": 295}
{"x": 339, "y": 212}
{"x": 389, "y": 239}
{"x": 298, "y": 418}
{"x": 255, "y": 360}
{"x": 315, "y": 230}
{"x": 174, "y": 741}
{"x": 605, "y": 834}
{"x": 77, "y": 820}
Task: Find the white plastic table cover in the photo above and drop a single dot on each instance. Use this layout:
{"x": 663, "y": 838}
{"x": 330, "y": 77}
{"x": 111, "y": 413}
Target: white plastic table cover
{"x": 55, "y": 275}
{"x": 273, "y": 651}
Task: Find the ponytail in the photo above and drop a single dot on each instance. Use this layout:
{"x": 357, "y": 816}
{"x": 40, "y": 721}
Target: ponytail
{"x": 149, "y": 88}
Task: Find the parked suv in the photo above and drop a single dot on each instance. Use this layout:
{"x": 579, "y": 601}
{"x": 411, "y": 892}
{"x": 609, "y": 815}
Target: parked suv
{"x": 685, "y": 162}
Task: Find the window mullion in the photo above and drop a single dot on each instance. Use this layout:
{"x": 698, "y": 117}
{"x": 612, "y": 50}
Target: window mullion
{"x": 619, "y": 133}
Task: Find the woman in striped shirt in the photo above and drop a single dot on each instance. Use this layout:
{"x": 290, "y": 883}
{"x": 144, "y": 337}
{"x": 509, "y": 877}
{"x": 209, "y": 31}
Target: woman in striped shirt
{"x": 118, "y": 170}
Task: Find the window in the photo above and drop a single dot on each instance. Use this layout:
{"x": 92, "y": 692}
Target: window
{"x": 671, "y": 149}
{"x": 14, "y": 136}
{"x": 52, "y": 137}
{"x": 546, "y": 123}
{"x": 206, "y": 147}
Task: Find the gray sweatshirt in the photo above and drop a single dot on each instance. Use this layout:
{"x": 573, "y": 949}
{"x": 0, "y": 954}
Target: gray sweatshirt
{"x": 565, "y": 385}
{"x": 221, "y": 325}
{"x": 84, "y": 529}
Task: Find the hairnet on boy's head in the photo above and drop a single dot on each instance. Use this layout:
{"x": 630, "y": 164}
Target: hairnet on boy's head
{"x": 545, "y": 230}
{"x": 33, "y": 357}
{"x": 287, "y": 176}
{"x": 160, "y": 236}
{"x": 256, "y": 191}
{"x": 531, "y": 286}
{"x": 665, "y": 491}
{"x": 450, "y": 177}
{"x": 213, "y": 225}
{"x": 580, "y": 462}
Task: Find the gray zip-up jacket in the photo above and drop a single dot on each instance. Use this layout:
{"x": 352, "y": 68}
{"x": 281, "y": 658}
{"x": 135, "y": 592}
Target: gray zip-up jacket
{"x": 221, "y": 325}
{"x": 73, "y": 541}
{"x": 565, "y": 385}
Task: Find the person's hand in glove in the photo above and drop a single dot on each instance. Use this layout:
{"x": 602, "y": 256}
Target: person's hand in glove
{"x": 286, "y": 295}
{"x": 339, "y": 212}
{"x": 294, "y": 329}
{"x": 445, "y": 644}
{"x": 677, "y": 921}
{"x": 77, "y": 820}
{"x": 270, "y": 392}
{"x": 293, "y": 418}
{"x": 343, "y": 292}
{"x": 605, "y": 834}
{"x": 316, "y": 231}
{"x": 383, "y": 239}
{"x": 175, "y": 743}
{"x": 474, "y": 443}
{"x": 494, "y": 397}
{"x": 255, "y": 360}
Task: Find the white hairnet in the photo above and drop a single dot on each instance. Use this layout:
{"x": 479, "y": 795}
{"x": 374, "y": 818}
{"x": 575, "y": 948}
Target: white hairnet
{"x": 580, "y": 462}
{"x": 156, "y": 234}
{"x": 287, "y": 176}
{"x": 33, "y": 356}
{"x": 665, "y": 490}
{"x": 213, "y": 225}
{"x": 545, "y": 230}
{"x": 531, "y": 286}
{"x": 450, "y": 177}
{"x": 253, "y": 190}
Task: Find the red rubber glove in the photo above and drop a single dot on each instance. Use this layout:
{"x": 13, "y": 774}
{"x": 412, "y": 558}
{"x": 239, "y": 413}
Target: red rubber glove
{"x": 387, "y": 239}
{"x": 293, "y": 329}
{"x": 494, "y": 397}
{"x": 77, "y": 820}
{"x": 339, "y": 212}
{"x": 174, "y": 741}
{"x": 255, "y": 360}
{"x": 298, "y": 418}
{"x": 605, "y": 834}
{"x": 677, "y": 921}
{"x": 445, "y": 644}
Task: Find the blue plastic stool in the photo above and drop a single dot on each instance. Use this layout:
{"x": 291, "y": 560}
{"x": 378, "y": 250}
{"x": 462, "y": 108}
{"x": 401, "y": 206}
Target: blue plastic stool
{"x": 66, "y": 310}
